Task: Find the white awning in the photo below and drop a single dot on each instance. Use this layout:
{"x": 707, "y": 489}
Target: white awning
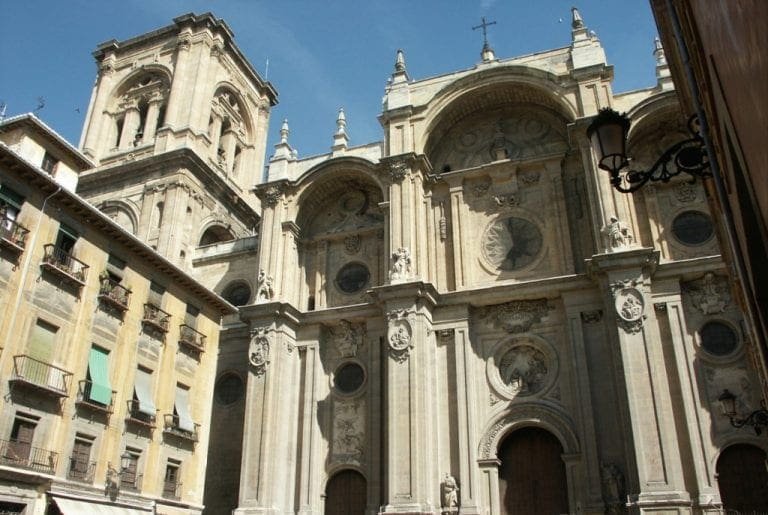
{"x": 72, "y": 507}
{"x": 143, "y": 388}
{"x": 182, "y": 410}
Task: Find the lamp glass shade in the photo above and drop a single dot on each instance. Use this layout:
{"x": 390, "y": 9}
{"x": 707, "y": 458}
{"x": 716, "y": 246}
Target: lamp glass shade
{"x": 608, "y": 137}
{"x": 125, "y": 460}
{"x": 728, "y": 403}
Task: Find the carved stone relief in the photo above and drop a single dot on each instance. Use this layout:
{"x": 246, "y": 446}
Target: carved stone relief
{"x": 264, "y": 290}
{"x": 347, "y": 338}
{"x": 629, "y": 305}
{"x": 522, "y": 367}
{"x": 685, "y": 192}
{"x": 258, "y": 350}
{"x": 617, "y": 235}
{"x": 710, "y": 294}
{"x": 517, "y": 316}
{"x": 348, "y": 431}
{"x": 511, "y": 243}
{"x": 352, "y": 244}
{"x": 592, "y": 317}
{"x": 270, "y": 194}
{"x": 400, "y": 334}
{"x": 398, "y": 170}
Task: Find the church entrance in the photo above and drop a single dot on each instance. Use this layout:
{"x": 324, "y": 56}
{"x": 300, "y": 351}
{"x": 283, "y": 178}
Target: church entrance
{"x": 345, "y": 494}
{"x": 532, "y": 474}
{"x": 743, "y": 479}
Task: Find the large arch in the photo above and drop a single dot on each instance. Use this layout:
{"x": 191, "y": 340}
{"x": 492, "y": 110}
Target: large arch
{"x": 346, "y": 492}
{"x": 742, "y": 478}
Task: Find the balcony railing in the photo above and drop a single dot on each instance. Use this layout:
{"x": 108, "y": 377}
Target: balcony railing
{"x": 63, "y": 263}
{"x": 172, "y": 427}
{"x": 192, "y": 338}
{"x": 81, "y": 470}
{"x": 40, "y": 375}
{"x": 135, "y": 416}
{"x": 156, "y": 318}
{"x": 84, "y": 398}
{"x": 12, "y": 234}
{"x": 21, "y": 454}
{"x": 131, "y": 481}
{"x": 114, "y": 293}
{"x": 172, "y": 489}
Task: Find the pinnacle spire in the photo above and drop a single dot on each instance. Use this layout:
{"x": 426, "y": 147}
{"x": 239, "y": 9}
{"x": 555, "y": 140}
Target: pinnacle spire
{"x": 284, "y": 131}
{"x": 577, "y": 22}
{"x": 340, "y": 138}
{"x": 663, "y": 75}
{"x": 658, "y": 52}
{"x": 399, "y": 74}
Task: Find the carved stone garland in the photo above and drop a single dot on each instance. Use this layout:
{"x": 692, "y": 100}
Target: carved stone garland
{"x": 258, "y": 350}
{"x": 709, "y": 294}
{"x": 629, "y": 304}
{"x": 400, "y": 334}
{"x": 517, "y": 316}
{"x": 347, "y": 338}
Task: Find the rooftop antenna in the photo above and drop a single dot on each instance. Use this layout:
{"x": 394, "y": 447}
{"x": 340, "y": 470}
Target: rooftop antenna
{"x": 40, "y": 105}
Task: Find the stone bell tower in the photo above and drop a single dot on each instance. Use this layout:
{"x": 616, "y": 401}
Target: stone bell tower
{"x": 177, "y": 124}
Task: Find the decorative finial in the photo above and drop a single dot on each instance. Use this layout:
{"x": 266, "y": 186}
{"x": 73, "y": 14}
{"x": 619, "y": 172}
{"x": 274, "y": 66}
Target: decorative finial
{"x": 658, "y": 52}
{"x": 400, "y": 61}
{"x": 577, "y": 21}
{"x": 487, "y": 53}
{"x": 284, "y": 131}
{"x": 341, "y": 122}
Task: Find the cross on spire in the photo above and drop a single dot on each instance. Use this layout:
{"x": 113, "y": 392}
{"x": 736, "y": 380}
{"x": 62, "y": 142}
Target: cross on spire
{"x": 484, "y": 26}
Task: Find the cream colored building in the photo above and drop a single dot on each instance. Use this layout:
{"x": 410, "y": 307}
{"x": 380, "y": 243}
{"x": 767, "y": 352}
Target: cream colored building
{"x": 462, "y": 318}
{"x": 108, "y": 350}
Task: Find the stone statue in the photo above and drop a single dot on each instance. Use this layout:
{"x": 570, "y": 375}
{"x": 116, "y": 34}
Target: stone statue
{"x": 264, "y": 290}
{"x": 401, "y": 265}
{"x": 617, "y": 234}
{"x": 613, "y": 488}
{"x": 450, "y": 494}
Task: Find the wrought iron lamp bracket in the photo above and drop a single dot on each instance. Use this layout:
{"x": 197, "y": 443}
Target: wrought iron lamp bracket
{"x": 758, "y": 419}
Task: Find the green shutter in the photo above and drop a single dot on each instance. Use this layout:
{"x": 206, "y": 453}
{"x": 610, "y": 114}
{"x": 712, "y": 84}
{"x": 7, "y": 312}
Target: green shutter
{"x": 10, "y": 197}
{"x": 98, "y": 368}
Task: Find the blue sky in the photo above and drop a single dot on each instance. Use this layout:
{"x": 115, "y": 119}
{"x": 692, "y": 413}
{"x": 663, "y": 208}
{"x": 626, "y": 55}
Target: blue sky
{"x": 323, "y": 54}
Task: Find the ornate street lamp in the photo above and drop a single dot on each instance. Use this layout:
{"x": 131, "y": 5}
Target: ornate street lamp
{"x": 112, "y": 482}
{"x": 608, "y": 136}
{"x": 757, "y": 419}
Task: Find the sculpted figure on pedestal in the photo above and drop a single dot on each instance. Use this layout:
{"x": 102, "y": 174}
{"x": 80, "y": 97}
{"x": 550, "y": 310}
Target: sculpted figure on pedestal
{"x": 450, "y": 494}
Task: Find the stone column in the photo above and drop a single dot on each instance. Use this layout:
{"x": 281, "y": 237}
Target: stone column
{"x": 268, "y": 470}
{"x": 412, "y": 478}
{"x": 458, "y": 232}
{"x": 625, "y": 278}
{"x": 153, "y": 111}
{"x": 490, "y": 471}
{"x": 228, "y": 143}
{"x": 215, "y": 135}
{"x": 178, "y": 96}
{"x": 130, "y": 125}
{"x": 94, "y": 141}
{"x": 310, "y": 463}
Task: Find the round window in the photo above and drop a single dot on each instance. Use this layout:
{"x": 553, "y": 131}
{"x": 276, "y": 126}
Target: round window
{"x": 229, "y": 389}
{"x": 348, "y": 378}
{"x": 237, "y": 294}
{"x": 352, "y": 277}
{"x": 718, "y": 339}
{"x": 511, "y": 243}
{"x": 692, "y": 227}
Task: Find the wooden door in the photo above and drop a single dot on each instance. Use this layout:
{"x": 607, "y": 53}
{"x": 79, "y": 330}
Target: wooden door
{"x": 532, "y": 474}
{"x": 345, "y": 494}
{"x": 20, "y": 446}
{"x": 742, "y": 475}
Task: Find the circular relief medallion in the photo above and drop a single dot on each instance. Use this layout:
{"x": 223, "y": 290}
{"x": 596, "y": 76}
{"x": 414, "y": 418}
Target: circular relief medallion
{"x": 352, "y": 277}
{"x": 718, "y": 339}
{"x": 352, "y": 202}
{"x": 629, "y": 304}
{"x": 511, "y": 243}
{"x": 524, "y": 369}
{"x": 692, "y": 228}
{"x": 349, "y": 378}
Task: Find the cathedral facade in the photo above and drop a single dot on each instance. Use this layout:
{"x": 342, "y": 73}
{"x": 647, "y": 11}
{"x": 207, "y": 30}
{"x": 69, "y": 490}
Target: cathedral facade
{"x": 464, "y": 317}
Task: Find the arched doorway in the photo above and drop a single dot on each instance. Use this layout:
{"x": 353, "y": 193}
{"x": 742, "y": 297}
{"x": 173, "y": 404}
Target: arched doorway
{"x": 532, "y": 474}
{"x": 345, "y": 494}
{"x": 743, "y": 479}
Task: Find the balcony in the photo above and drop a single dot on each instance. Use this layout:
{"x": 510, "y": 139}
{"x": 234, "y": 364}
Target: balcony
{"x": 155, "y": 318}
{"x": 171, "y": 427}
{"x": 172, "y": 489}
{"x": 135, "y": 416}
{"x": 22, "y": 455}
{"x": 191, "y": 338}
{"x": 84, "y": 398}
{"x": 63, "y": 264}
{"x": 131, "y": 481}
{"x": 114, "y": 294}
{"x": 81, "y": 471}
{"x": 31, "y": 372}
{"x": 12, "y": 234}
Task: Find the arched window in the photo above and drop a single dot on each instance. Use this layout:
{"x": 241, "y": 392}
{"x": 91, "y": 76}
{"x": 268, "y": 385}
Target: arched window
{"x": 215, "y": 234}
{"x": 237, "y": 293}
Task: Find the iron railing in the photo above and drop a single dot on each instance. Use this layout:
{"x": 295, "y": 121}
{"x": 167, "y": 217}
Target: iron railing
{"x": 171, "y": 426}
{"x": 156, "y": 318}
{"x": 172, "y": 489}
{"x": 80, "y": 470}
{"x": 114, "y": 293}
{"x": 12, "y": 232}
{"x": 191, "y": 337}
{"x": 39, "y": 374}
{"x": 84, "y": 398}
{"x": 23, "y": 455}
{"x": 58, "y": 260}
{"x": 138, "y": 417}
